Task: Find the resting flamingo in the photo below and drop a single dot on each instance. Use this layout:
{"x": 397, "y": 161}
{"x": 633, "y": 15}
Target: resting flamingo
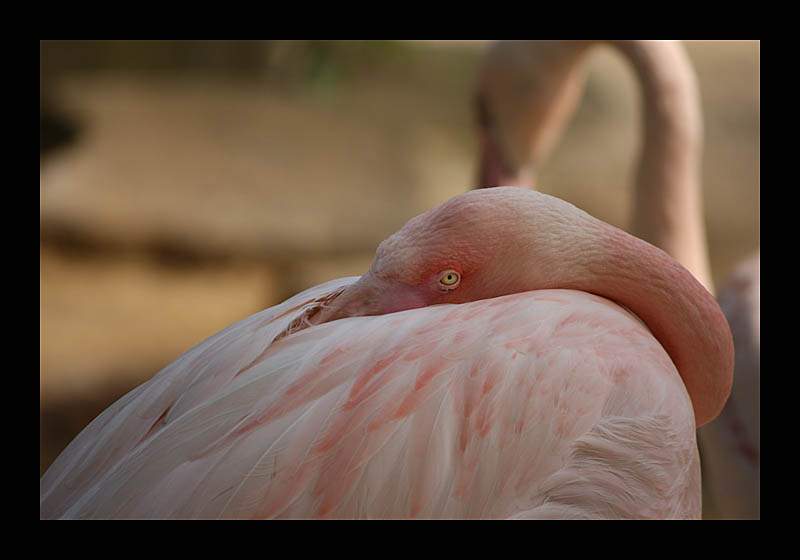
{"x": 527, "y": 90}
{"x": 483, "y": 367}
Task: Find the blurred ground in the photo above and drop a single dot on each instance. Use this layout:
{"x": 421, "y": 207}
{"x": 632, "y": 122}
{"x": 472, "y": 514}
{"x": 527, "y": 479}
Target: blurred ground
{"x": 184, "y": 186}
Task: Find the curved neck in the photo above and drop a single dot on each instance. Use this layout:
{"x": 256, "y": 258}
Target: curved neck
{"x": 568, "y": 248}
{"x": 668, "y": 209}
{"x": 678, "y": 310}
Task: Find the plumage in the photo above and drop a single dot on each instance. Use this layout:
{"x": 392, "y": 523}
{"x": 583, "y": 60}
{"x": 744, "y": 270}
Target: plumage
{"x": 448, "y": 421}
{"x": 524, "y": 400}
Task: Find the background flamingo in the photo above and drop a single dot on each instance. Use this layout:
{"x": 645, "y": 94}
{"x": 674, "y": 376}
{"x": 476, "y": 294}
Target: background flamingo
{"x": 527, "y": 91}
{"x": 517, "y": 396}
{"x": 731, "y": 444}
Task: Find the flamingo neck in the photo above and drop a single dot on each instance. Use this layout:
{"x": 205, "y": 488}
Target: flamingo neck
{"x": 668, "y": 210}
{"x": 527, "y": 90}
{"x": 678, "y": 310}
{"x": 570, "y": 249}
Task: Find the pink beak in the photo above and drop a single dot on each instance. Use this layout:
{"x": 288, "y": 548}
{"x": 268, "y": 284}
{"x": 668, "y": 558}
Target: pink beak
{"x": 374, "y": 295}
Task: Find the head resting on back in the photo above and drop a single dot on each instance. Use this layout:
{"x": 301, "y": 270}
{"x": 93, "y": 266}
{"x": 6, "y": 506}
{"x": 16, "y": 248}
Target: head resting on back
{"x": 497, "y": 241}
{"x": 493, "y": 242}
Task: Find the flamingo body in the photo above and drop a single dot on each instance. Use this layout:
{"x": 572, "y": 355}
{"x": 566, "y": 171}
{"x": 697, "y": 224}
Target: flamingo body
{"x": 559, "y": 405}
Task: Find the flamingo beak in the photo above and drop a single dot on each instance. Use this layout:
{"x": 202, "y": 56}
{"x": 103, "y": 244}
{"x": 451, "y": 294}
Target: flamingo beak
{"x": 373, "y": 295}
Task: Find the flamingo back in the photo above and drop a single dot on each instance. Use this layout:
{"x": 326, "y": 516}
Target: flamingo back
{"x": 552, "y": 403}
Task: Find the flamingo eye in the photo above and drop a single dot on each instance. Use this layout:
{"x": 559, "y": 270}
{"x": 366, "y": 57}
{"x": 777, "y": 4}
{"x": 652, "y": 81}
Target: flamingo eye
{"x": 449, "y": 279}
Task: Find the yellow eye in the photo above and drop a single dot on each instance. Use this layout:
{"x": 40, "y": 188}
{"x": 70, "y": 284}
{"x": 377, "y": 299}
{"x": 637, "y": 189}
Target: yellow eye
{"x": 449, "y": 278}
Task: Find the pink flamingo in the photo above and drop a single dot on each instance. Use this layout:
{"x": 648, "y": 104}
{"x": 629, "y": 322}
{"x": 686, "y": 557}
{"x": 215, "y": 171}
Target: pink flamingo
{"x": 527, "y": 91}
{"x": 484, "y": 367}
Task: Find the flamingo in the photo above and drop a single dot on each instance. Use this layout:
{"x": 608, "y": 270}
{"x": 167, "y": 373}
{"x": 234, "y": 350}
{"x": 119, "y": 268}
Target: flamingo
{"x": 526, "y": 92}
{"x": 506, "y": 355}
{"x": 731, "y": 444}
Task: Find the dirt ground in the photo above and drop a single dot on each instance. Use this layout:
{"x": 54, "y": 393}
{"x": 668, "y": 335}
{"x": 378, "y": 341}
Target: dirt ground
{"x": 183, "y": 201}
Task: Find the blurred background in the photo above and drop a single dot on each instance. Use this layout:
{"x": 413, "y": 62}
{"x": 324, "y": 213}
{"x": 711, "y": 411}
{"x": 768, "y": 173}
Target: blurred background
{"x": 187, "y": 184}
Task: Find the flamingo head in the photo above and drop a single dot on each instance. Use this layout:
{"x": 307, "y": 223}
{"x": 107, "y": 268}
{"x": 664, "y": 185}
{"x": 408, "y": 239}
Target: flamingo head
{"x": 478, "y": 245}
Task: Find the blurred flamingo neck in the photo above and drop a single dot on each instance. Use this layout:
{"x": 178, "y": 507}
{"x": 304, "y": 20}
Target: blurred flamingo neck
{"x": 667, "y": 209}
{"x": 518, "y": 130}
{"x": 496, "y": 165}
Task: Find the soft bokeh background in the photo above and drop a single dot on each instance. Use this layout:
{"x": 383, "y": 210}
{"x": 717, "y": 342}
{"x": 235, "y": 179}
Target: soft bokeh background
{"x": 186, "y": 185}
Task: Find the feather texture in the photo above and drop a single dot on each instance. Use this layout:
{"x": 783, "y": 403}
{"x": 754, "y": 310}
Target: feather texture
{"x": 556, "y": 403}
